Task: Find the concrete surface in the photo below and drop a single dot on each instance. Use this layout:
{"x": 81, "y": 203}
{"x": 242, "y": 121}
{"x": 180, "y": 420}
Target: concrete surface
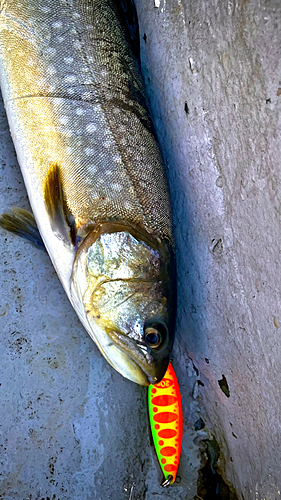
{"x": 213, "y": 74}
{"x": 71, "y": 427}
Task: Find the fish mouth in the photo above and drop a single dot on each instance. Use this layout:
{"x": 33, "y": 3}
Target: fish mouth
{"x": 143, "y": 365}
{"x": 133, "y": 370}
{"x": 129, "y": 358}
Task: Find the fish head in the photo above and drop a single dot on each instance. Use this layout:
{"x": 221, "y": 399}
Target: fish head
{"x": 122, "y": 284}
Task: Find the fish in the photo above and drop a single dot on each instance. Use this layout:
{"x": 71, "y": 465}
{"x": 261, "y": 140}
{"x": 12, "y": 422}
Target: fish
{"x": 95, "y": 177}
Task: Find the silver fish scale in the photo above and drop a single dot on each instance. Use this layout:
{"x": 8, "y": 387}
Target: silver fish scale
{"x": 81, "y": 94}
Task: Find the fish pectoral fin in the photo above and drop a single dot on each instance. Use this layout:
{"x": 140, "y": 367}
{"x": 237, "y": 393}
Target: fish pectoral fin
{"x": 61, "y": 219}
{"x": 22, "y": 223}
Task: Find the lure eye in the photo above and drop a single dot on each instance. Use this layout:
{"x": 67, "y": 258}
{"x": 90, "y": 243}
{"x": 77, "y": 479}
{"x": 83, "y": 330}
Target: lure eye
{"x": 155, "y": 335}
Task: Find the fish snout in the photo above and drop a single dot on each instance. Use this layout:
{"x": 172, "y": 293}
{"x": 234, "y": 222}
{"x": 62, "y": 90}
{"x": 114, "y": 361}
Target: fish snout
{"x": 159, "y": 373}
{"x": 158, "y": 368}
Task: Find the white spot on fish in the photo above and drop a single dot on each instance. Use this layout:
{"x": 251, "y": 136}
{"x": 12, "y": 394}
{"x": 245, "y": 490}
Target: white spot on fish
{"x": 46, "y": 9}
{"x": 57, "y": 24}
{"x": 70, "y": 78}
{"x": 60, "y": 39}
{"x": 51, "y": 50}
{"x": 51, "y": 70}
{"x": 86, "y": 96}
{"x": 77, "y": 45}
{"x": 117, "y": 187}
{"x": 117, "y": 159}
{"x": 70, "y": 91}
{"x": 91, "y": 128}
{"x": 68, "y": 133}
{"x": 107, "y": 144}
{"x": 80, "y": 111}
{"x": 75, "y": 15}
{"x": 68, "y": 60}
{"x": 89, "y": 151}
{"x": 88, "y": 81}
{"x": 63, "y": 120}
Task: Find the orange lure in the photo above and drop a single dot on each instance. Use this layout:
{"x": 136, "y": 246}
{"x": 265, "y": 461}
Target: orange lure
{"x": 165, "y": 414}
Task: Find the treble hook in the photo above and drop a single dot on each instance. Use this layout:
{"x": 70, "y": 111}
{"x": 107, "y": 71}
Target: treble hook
{"x": 167, "y": 481}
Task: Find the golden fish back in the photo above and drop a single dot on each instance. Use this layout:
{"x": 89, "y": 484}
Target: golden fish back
{"x": 75, "y": 99}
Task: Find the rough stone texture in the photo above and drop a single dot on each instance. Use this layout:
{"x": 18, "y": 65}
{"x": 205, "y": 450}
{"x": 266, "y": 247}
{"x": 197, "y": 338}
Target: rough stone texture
{"x": 213, "y": 74}
{"x": 71, "y": 427}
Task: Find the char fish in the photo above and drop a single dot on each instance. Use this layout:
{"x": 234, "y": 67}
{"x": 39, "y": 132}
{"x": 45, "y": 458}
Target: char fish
{"x": 85, "y": 142}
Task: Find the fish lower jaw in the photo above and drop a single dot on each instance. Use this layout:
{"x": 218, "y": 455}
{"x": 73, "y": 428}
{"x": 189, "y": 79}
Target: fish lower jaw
{"x": 117, "y": 358}
{"x": 127, "y": 367}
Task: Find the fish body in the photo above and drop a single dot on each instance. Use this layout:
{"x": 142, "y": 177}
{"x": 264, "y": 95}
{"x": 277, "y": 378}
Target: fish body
{"x": 94, "y": 174}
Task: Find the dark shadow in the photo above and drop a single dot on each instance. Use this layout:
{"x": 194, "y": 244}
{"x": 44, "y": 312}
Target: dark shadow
{"x": 211, "y": 485}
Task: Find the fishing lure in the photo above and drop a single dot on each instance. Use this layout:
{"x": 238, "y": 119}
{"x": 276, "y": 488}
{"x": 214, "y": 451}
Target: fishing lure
{"x": 165, "y": 415}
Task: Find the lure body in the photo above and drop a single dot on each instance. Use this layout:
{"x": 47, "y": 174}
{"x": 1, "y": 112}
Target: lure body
{"x": 165, "y": 414}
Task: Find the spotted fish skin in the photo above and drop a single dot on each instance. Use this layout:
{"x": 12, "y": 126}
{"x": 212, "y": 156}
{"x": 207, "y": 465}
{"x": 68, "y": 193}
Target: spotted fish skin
{"x": 80, "y": 103}
{"x": 76, "y": 104}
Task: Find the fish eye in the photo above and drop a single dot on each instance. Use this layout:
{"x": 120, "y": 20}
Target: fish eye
{"x": 155, "y": 335}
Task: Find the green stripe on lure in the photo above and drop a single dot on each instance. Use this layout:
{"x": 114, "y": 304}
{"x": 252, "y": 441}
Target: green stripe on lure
{"x": 165, "y": 415}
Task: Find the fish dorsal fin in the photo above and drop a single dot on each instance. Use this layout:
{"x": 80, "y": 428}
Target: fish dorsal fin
{"x": 22, "y": 223}
{"x": 61, "y": 219}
